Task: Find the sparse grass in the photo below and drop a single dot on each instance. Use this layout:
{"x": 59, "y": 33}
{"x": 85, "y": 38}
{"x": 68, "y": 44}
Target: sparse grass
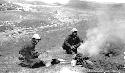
{"x": 4, "y": 28}
{"x": 50, "y": 40}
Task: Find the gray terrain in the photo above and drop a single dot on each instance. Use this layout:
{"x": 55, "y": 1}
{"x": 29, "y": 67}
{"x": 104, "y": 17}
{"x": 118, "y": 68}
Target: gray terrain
{"x": 53, "y": 23}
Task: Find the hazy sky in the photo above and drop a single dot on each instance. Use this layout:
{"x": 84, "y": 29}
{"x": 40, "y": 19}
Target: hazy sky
{"x": 66, "y": 1}
{"x": 108, "y": 1}
{"x": 52, "y": 1}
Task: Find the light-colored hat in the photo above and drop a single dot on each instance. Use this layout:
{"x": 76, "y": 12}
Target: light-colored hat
{"x": 36, "y": 36}
{"x": 74, "y": 29}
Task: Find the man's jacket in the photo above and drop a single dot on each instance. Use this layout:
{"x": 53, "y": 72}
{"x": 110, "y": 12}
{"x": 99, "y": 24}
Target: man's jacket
{"x": 72, "y": 41}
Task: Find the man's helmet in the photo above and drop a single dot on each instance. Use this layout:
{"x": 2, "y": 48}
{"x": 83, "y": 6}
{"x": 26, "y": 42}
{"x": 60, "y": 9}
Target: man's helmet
{"x": 74, "y": 29}
{"x": 36, "y": 36}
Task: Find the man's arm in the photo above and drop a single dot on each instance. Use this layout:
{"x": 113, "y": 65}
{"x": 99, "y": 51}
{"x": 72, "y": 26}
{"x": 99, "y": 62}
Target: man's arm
{"x": 35, "y": 53}
{"x": 80, "y": 41}
{"x": 77, "y": 45}
{"x": 66, "y": 41}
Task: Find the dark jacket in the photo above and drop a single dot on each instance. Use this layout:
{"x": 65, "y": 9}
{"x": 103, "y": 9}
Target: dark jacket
{"x": 28, "y": 50}
{"x": 72, "y": 41}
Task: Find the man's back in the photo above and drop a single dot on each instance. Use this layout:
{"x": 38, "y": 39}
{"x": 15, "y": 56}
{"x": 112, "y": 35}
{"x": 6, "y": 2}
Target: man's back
{"x": 27, "y": 49}
{"x": 73, "y": 40}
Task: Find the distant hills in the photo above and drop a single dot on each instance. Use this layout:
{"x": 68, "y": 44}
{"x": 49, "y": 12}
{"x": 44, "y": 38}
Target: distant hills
{"x": 94, "y": 5}
{"x": 83, "y": 5}
{"x": 36, "y": 3}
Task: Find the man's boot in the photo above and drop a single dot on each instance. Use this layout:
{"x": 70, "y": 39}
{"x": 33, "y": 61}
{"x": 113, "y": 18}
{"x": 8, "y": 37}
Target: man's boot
{"x": 36, "y": 63}
{"x": 25, "y": 63}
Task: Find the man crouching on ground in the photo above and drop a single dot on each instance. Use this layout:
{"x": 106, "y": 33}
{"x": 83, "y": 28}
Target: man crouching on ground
{"x": 72, "y": 42}
{"x": 28, "y": 55}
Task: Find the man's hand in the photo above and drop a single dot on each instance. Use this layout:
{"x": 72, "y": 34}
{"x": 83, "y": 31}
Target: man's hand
{"x": 20, "y": 57}
{"x": 77, "y": 45}
{"x": 72, "y": 47}
{"x": 35, "y": 54}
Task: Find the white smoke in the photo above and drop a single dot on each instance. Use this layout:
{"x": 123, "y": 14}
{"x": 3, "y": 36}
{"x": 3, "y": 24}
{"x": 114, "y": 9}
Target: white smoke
{"x": 108, "y": 28}
{"x": 92, "y": 45}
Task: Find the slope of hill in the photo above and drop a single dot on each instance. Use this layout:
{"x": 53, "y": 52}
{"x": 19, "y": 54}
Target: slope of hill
{"x": 8, "y": 6}
{"x": 53, "y": 24}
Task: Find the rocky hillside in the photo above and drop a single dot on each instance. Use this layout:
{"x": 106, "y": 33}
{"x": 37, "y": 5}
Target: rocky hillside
{"x": 8, "y": 6}
{"x": 53, "y": 23}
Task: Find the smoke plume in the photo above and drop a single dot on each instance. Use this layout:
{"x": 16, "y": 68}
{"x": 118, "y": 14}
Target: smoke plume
{"x": 110, "y": 27}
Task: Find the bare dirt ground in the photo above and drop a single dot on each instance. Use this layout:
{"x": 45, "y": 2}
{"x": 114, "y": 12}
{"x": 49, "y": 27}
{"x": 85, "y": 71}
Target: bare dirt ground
{"x": 53, "y": 25}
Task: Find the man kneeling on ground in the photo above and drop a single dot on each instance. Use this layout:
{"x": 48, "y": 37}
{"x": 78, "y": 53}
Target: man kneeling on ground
{"x": 28, "y": 55}
{"x": 72, "y": 42}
